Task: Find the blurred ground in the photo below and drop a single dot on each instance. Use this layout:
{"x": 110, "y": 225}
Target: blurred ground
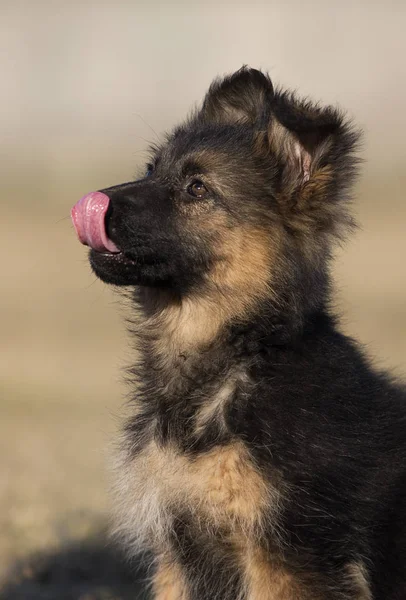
{"x": 83, "y": 85}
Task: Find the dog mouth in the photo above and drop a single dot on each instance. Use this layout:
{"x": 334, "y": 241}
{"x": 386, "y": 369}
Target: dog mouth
{"x": 140, "y": 253}
{"x": 89, "y": 217}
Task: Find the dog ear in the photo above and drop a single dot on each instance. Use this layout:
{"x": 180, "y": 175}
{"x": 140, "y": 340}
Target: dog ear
{"x": 312, "y": 148}
{"x": 315, "y": 150}
{"x": 242, "y": 97}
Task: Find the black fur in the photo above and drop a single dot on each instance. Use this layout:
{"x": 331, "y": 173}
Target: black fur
{"x": 318, "y": 420}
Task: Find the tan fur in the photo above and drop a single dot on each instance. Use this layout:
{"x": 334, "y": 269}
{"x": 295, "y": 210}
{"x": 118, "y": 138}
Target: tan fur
{"x": 242, "y": 272}
{"x": 185, "y": 326}
{"x": 267, "y": 579}
{"x": 219, "y": 488}
{"x": 168, "y": 583}
{"x": 243, "y": 275}
{"x": 174, "y": 330}
{"x": 358, "y": 576}
{"x": 305, "y": 198}
{"x": 238, "y": 281}
{"x": 314, "y": 192}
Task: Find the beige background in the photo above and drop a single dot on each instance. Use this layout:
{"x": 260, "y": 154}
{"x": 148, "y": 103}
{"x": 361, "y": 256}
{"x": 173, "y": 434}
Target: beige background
{"x": 85, "y": 85}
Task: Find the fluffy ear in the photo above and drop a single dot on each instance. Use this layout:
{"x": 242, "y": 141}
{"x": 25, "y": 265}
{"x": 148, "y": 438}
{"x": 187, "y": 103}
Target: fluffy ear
{"x": 242, "y": 97}
{"x": 312, "y": 148}
{"x": 315, "y": 149}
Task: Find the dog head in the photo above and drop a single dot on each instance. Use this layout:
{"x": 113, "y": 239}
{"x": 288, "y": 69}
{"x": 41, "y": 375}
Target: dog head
{"x": 239, "y": 205}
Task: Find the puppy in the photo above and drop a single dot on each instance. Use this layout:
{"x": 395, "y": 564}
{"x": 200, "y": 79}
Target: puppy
{"x": 264, "y": 458}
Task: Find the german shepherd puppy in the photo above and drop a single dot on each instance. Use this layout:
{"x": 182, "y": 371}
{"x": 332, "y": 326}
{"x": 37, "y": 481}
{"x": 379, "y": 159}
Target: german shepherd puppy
{"x": 264, "y": 458}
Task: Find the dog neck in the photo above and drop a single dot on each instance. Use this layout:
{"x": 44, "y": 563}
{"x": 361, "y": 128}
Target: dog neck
{"x": 181, "y": 338}
{"x": 178, "y": 328}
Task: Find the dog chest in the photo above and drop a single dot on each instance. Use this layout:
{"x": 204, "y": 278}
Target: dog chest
{"x": 217, "y": 488}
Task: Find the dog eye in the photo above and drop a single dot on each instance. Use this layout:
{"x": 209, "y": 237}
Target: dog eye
{"x": 197, "y": 189}
{"x": 150, "y": 170}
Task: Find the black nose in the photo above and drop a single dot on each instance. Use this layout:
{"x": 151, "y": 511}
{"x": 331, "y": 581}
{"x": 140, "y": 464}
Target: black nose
{"x": 122, "y": 190}
{"x": 135, "y": 192}
{"x": 135, "y": 208}
{"x": 140, "y": 196}
{"x": 125, "y": 199}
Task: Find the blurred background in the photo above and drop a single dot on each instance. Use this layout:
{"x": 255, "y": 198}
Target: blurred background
{"x": 85, "y": 87}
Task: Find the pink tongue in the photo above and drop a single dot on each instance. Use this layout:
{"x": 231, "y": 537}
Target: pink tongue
{"x": 88, "y": 216}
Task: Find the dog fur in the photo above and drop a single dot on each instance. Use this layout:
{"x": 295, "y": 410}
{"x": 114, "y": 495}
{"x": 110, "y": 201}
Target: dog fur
{"x": 264, "y": 458}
